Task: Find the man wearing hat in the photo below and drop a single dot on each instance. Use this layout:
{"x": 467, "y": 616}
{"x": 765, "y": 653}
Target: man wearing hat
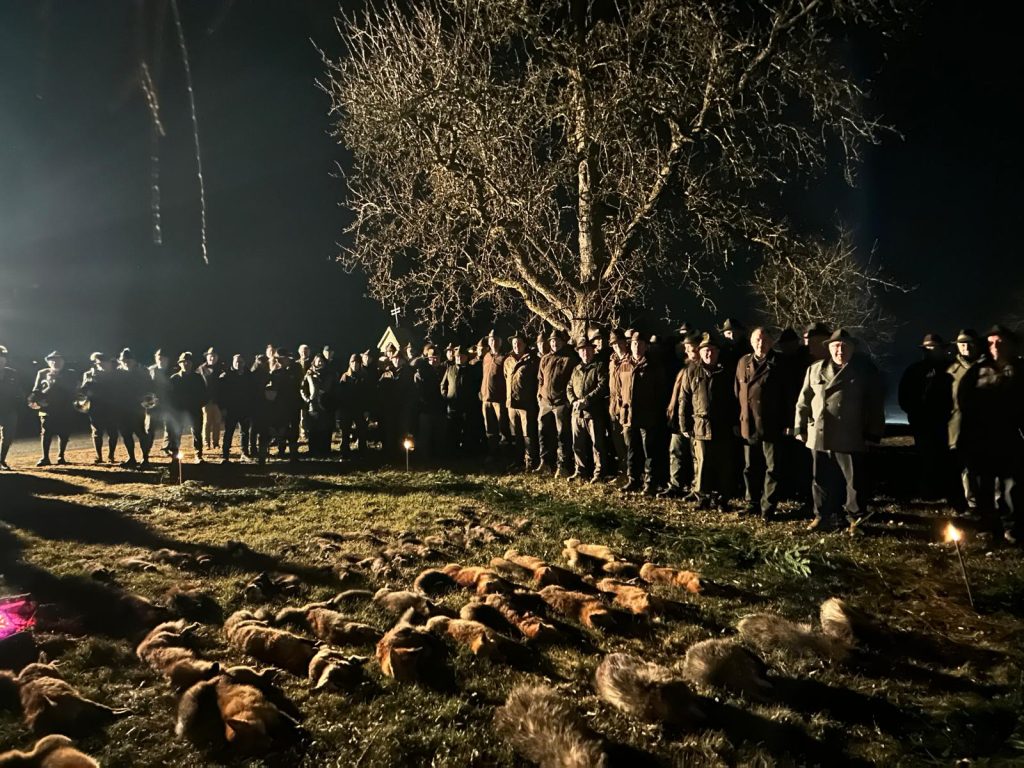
{"x": 841, "y": 409}
{"x": 156, "y": 418}
{"x": 188, "y": 396}
{"x": 353, "y": 402}
{"x": 460, "y": 390}
{"x": 521, "y": 374}
{"x": 213, "y": 419}
{"x": 54, "y": 392}
{"x": 99, "y": 388}
{"x": 12, "y": 400}
{"x": 680, "y": 448}
{"x": 968, "y": 355}
{"x": 134, "y": 386}
{"x": 708, "y": 415}
{"x": 642, "y": 395}
{"x": 619, "y": 344}
{"x": 555, "y": 416}
{"x": 991, "y": 397}
{"x": 925, "y": 395}
{"x": 237, "y": 398}
{"x": 587, "y": 394}
{"x": 733, "y": 343}
{"x": 493, "y": 395}
{"x": 763, "y": 386}
{"x": 285, "y": 388}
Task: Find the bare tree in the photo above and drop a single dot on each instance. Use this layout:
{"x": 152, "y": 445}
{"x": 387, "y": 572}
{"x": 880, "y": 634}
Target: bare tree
{"x": 560, "y": 156}
{"x": 799, "y": 283}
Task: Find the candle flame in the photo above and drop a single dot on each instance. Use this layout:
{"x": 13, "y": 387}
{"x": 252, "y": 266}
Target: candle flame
{"x": 178, "y": 455}
{"x": 953, "y": 533}
{"x": 408, "y": 444}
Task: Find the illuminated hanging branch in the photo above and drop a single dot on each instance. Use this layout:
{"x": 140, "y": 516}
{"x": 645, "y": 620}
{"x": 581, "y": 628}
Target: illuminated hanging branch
{"x": 195, "y": 127}
{"x": 156, "y": 133}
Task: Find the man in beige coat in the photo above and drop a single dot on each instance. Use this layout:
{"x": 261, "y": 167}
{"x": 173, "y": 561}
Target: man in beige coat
{"x": 839, "y": 412}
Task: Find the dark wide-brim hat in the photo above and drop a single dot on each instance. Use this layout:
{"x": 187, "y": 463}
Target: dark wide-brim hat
{"x": 788, "y": 336}
{"x": 966, "y": 336}
{"x": 185, "y": 357}
{"x": 557, "y": 334}
{"x": 841, "y": 334}
{"x": 732, "y": 324}
{"x": 55, "y": 355}
{"x": 616, "y": 334}
{"x": 126, "y": 354}
{"x": 932, "y": 340}
{"x": 817, "y": 329}
{"x": 584, "y": 341}
{"x": 1002, "y": 331}
{"x": 707, "y": 341}
{"x": 98, "y": 357}
{"x": 212, "y": 351}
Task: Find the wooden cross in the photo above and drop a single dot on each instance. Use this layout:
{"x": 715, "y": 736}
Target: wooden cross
{"x": 395, "y": 312}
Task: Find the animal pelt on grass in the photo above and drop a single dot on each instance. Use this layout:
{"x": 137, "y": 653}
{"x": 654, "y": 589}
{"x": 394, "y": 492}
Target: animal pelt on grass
{"x": 851, "y": 625}
{"x": 337, "y": 629}
{"x": 480, "y": 639}
{"x": 489, "y": 616}
{"x": 482, "y": 581}
{"x": 649, "y": 692}
{"x": 330, "y": 670}
{"x": 767, "y": 633}
{"x": 724, "y": 663}
{"x": 49, "y": 752}
{"x": 544, "y": 574}
{"x": 399, "y": 601}
{"x": 543, "y": 728}
{"x": 655, "y": 574}
{"x": 226, "y": 712}
{"x": 52, "y": 705}
{"x": 523, "y": 614}
{"x": 274, "y": 646}
{"x": 434, "y": 582}
{"x": 586, "y": 609}
{"x": 412, "y": 654}
{"x": 634, "y": 599}
{"x": 193, "y": 604}
{"x": 167, "y": 650}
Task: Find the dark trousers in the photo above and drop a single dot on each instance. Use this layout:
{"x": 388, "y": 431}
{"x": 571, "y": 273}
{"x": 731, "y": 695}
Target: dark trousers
{"x": 588, "y": 445}
{"x": 8, "y": 428}
{"x": 760, "y": 477}
{"x": 554, "y": 424}
{"x": 352, "y": 425}
{"x": 964, "y": 489}
{"x": 999, "y": 488}
{"x": 714, "y": 467}
{"x": 495, "y": 419}
{"x": 644, "y": 450}
{"x": 680, "y": 462}
{"x": 523, "y": 425}
{"x": 156, "y": 419}
{"x": 835, "y": 474}
{"x": 618, "y": 444}
{"x": 51, "y": 426}
{"x": 103, "y": 428}
{"x": 240, "y": 422}
{"x": 134, "y": 425}
{"x": 182, "y": 422}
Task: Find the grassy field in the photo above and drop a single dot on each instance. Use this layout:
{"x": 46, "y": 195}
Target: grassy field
{"x": 951, "y": 691}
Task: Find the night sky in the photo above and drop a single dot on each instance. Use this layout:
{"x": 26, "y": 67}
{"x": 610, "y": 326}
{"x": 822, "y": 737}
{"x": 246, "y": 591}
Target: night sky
{"x": 79, "y": 270}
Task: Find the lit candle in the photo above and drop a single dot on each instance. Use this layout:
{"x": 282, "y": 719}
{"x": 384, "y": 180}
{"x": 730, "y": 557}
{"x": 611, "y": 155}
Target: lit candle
{"x": 954, "y": 534}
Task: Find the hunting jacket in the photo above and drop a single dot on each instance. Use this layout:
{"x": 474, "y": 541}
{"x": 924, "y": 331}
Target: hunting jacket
{"x": 841, "y": 409}
{"x": 588, "y": 387}
{"x": 708, "y": 408}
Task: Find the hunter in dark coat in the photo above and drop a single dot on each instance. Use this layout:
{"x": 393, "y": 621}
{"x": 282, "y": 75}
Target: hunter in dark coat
{"x": 708, "y": 415}
{"x": 135, "y": 387}
{"x": 554, "y": 415}
{"x": 235, "y": 396}
{"x": 460, "y": 390}
{"x": 965, "y": 495}
{"x": 54, "y": 394}
{"x": 588, "y": 397}
{"x": 188, "y": 396}
{"x": 991, "y": 398}
{"x": 926, "y": 396}
{"x": 642, "y": 394}
{"x": 521, "y": 379}
{"x": 99, "y": 387}
{"x": 12, "y": 399}
{"x": 762, "y": 390}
